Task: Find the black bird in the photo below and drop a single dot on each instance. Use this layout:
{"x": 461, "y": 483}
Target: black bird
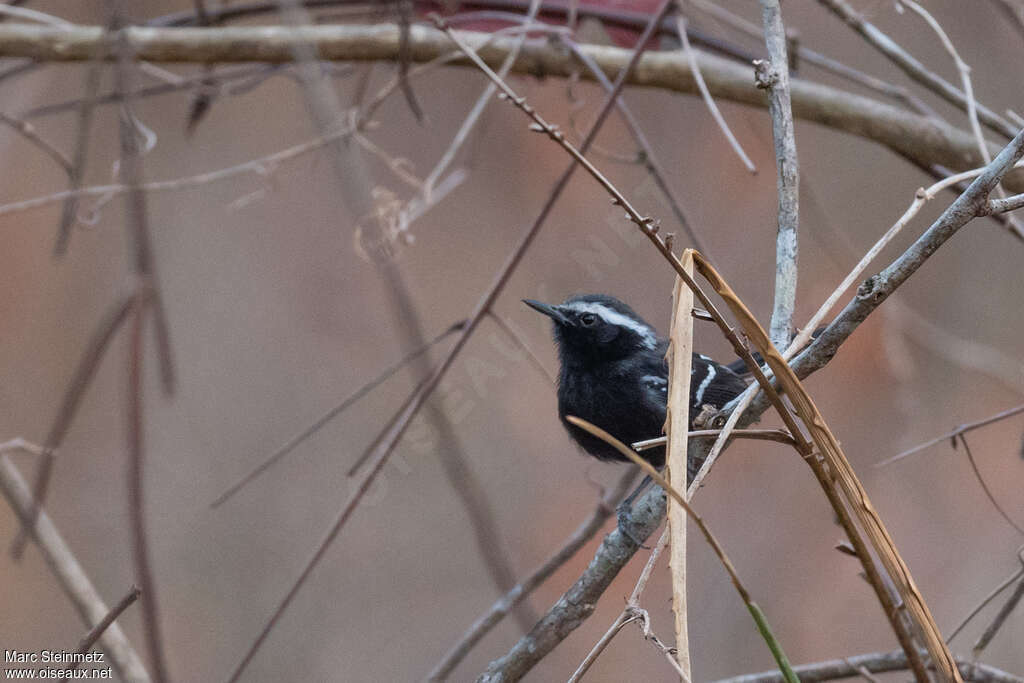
{"x": 614, "y": 374}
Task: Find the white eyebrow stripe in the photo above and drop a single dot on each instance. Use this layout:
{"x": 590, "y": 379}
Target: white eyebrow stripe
{"x": 615, "y": 318}
{"x": 699, "y": 396}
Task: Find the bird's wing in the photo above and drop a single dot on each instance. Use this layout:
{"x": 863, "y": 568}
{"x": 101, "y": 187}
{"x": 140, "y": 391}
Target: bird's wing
{"x": 713, "y": 383}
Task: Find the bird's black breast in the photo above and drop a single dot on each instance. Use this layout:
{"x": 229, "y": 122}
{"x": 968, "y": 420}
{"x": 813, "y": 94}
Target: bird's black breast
{"x": 628, "y": 398}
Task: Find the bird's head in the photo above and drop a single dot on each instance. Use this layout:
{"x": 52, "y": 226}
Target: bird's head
{"x": 596, "y": 327}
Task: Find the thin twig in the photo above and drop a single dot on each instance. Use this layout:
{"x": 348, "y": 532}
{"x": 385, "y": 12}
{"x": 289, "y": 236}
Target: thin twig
{"x": 69, "y": 573}
{"x": 998, "y": 621}
{"x": 993, "y": 594}
{"x": 644, "y": 621}
{"x": 28, "y": 131}
{"x": 481, "y": 103}
{"x": 627, "y": 615}
{"x": 27, "y": 14}
{"x": 84, "y": 372}
{"x": 487, "y": 621}
{"x": 620, "y": 621}
{"x": 709, "y": 101}
{"x": 69, "y": 213}
{"x": 649, "y": 157}
{"x": 136, "y": 493}
{"x": 349, "y": 400}
{"x": 98, "y": 630}
{"x": 962, "y": 429}
{"x": 984, "y": 487}
{"x": 972, "y": 105}
{"x": 1013, "y": 11}
{"x": 912, "y": 67}
{"x": 778, "y": 435}
{"x": 146, "y": 299}
{"x": 520, "y": 342}
{"x": 806, "y": 55}
{"x": 248, "y": 77}
{"x": 877, "y": 662}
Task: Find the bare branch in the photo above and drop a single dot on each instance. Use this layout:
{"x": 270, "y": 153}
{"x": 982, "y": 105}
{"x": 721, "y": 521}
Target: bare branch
{"x": 804, "y": 54}
{"x": 773, "y": 76}
{"x": 70, "y": 574}
{"x": 579, "y": 600}
{"x": 349, "y": 400}
{"x": 912, "y": 67}
{"x": 584, "y": 532}
{"x": 709, "y": 101}
{"x": 146, "y": 299}
{"x": 1000, "y": 618}
{"x": 28, "y": 131}
{"x": 917, "y": 138}
{"x": 80, "y": 381}
{"x": 878, "y": 662}
{"x": 972, "y": 105}
{"x": 106, "y": 622}
{"x": 876, "y": 289}
{"x": 962, "y": 429}
{"x": 984, "y": 486}
{"x": 993, "y": 594}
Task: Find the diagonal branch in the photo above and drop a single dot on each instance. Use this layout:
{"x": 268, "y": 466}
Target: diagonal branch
{"x": 873, "y": 291}
{"x": 914, "y": 68}
{"x": 70, "y": 574}
{"x": 483, "y": 625}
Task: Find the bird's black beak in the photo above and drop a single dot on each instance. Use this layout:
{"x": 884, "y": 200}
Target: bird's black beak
{"x": 548, "y": 310}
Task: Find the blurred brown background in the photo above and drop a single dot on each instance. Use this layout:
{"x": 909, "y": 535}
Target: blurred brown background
{"x": 275, "y": 316}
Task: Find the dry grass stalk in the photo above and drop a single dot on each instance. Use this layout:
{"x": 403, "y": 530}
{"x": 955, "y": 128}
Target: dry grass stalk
{"x": 849, "y": 497}
{"x": 679, "y": 359}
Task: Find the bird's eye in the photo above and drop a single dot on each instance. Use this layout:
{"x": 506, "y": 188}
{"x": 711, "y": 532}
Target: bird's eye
{"x": 588, "y": 319}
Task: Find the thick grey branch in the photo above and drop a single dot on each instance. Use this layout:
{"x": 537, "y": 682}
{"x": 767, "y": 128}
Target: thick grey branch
{"x": 773, "y": 76}
{"x": 923, "y": 141}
